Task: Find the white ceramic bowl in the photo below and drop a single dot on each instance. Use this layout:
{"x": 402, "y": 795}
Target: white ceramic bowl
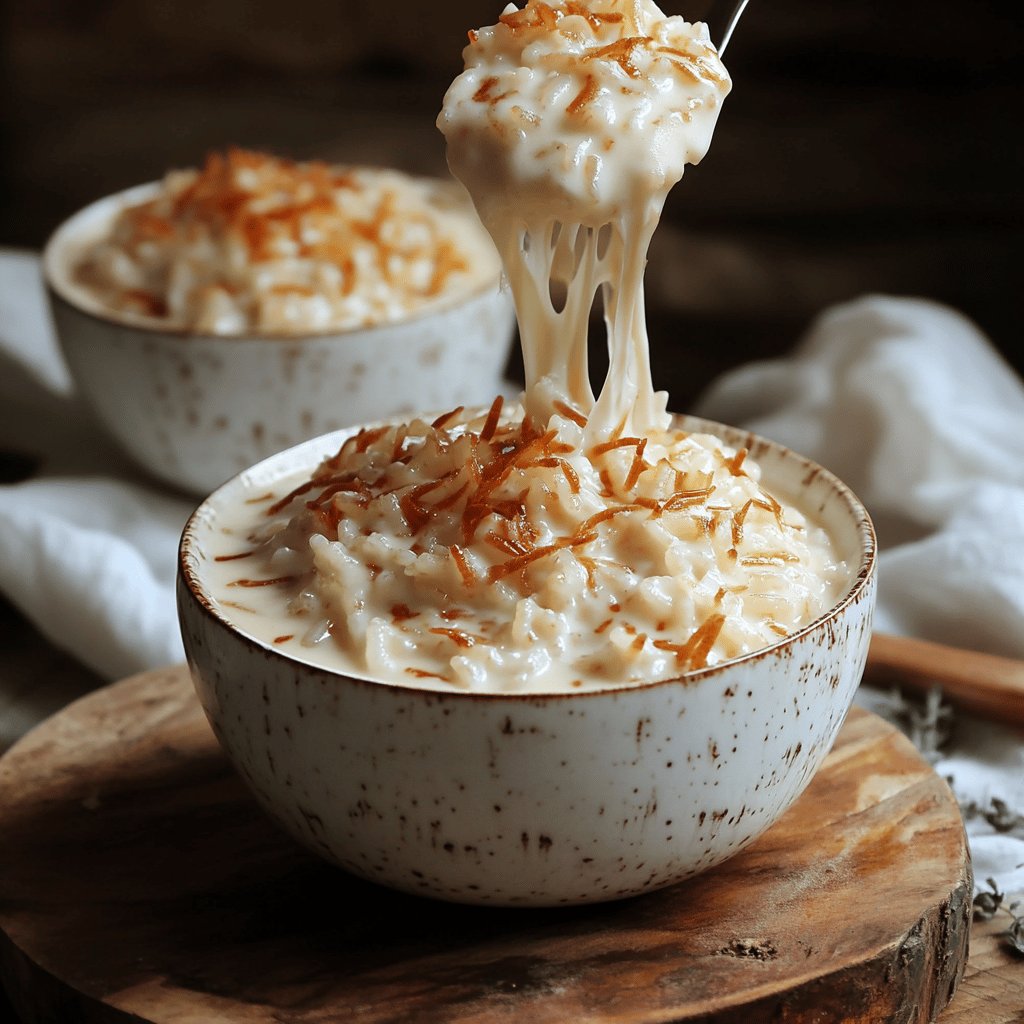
{"x": 527, "y": 799}
{"x": 195, "y": 409}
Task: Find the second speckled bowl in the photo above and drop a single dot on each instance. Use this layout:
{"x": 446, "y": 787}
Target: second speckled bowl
{"x": 532, "y": 800}
{"x": 194, "y": 409}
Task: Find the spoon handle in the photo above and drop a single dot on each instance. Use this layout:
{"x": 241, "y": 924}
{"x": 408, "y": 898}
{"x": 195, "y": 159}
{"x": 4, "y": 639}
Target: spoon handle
{"x": 987, "y": 684}
{"x": 721, "y": 30}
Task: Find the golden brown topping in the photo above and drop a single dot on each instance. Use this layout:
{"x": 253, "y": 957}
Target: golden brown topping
{"x": 736, "y": 462}
{"x": 770, "y": 558}
{"x": 422, "y": 673}
{"x": 416, "y": 514}
{"x": 503, "y": 519}
{"x": 232, "y": 558}
{"x": 243, "y": 208}
{"x": 587, "y": 526}
{"x": 452, "y": 498}
{"x": 150, "y": 225}
{"x": 512, "y": 454}
{"x": 491, "y": 423}
{"x": 145, "y": 302}
{"x": 694, "y": 66}
{"x": 685, "y": 498}
{"x": 637, "y": 467}
{"x": 694, "y": 653}
{"x": 401, "y": 433}
{"x": 771, "y": 504}
{"x": 621, "y": 52}
{"x": 585, "y": 96}
{"x": 447, "y": 260}
{"x": 233, "y": 189}
{"x": 590, "y": 565}
{"x": 570, "y": 413}
{"x": 484, "y": 92}
{"x": 459, "y": 637}
{"x": 616, "y": 442}
{"x": 595, "y": 18}
{"x": 447, "y": 417}
{"x": 570, "y": 474}
{"x": 366, "y": 437}
{"x": 277, "y": 580}
{"x": 497, "y": 572}
{"x": 463, "y": 566}
{"x": 737, "y": 522}
{"x": 504, "y": 544}
{"x": 534, "y": 15}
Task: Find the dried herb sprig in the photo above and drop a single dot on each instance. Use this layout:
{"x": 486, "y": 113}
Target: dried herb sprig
{"x": 1015, "y": 933}
{"x": 988, "y": 902}
{"x": 1003, "y": 818}
{"x": 999, "y": 814}
{"x": 927, "y": 722}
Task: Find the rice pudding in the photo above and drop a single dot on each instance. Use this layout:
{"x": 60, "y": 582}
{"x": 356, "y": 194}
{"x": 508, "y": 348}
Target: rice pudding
{"x": 254, "y": 244}
{"x": 574, "y": 542}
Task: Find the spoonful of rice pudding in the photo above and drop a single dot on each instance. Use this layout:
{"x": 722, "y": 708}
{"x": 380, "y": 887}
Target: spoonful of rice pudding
{"x": 569, "y": 125}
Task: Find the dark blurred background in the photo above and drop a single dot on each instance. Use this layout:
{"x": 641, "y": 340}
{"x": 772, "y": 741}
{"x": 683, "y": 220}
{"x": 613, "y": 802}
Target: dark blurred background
{"x": 864, "y": 148}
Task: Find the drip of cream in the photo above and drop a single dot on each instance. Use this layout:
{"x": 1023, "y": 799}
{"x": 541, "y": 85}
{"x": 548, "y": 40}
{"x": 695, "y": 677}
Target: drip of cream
{"x": 569, "y": 125}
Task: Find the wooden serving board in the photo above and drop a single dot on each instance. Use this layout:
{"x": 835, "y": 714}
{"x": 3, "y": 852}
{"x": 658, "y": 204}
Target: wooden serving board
{"x": 138, "y": 881}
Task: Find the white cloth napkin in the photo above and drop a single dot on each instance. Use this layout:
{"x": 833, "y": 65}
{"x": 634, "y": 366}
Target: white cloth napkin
{"x": 903, "y": 399}
{"x": 909, "y": 404}
{"x": 87, "y": 548}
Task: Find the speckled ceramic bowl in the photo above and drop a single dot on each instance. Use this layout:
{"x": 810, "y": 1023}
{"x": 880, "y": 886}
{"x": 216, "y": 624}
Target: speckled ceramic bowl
{"x": 195, "y": 409}
{"x": 532, "y": 800}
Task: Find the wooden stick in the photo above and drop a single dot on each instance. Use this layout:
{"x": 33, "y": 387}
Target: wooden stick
{"x": 986, "y": 684}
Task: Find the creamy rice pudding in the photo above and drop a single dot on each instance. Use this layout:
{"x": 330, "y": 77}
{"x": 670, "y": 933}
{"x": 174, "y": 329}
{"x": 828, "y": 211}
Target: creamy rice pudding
{"x": 575, "y": 542}
{"x": 251, "y": 243}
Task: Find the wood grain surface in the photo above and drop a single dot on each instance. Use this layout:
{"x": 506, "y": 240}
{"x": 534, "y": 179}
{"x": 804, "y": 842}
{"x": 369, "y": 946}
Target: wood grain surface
{"x": 138, "y": 881}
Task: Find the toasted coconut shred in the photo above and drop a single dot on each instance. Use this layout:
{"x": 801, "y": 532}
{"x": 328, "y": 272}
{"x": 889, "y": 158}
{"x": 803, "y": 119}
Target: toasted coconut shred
{"x": 570, "y": 542}
{"x": 254, "y": 243}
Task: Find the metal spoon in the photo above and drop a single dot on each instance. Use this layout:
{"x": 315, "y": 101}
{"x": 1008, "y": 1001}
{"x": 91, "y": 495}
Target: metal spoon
{"x": 721, "y": 18}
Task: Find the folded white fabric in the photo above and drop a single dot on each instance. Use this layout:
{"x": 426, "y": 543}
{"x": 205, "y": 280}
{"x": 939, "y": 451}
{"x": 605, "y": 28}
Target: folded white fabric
{"x": 91, "y": 562}
{"x": 87, "y": 548}
{"x": 908, "y": 403}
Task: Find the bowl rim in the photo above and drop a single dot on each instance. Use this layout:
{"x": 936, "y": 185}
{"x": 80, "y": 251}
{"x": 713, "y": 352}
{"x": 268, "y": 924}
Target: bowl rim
{"x": 56, "y": 273}
{"x": 189, "y": 584}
